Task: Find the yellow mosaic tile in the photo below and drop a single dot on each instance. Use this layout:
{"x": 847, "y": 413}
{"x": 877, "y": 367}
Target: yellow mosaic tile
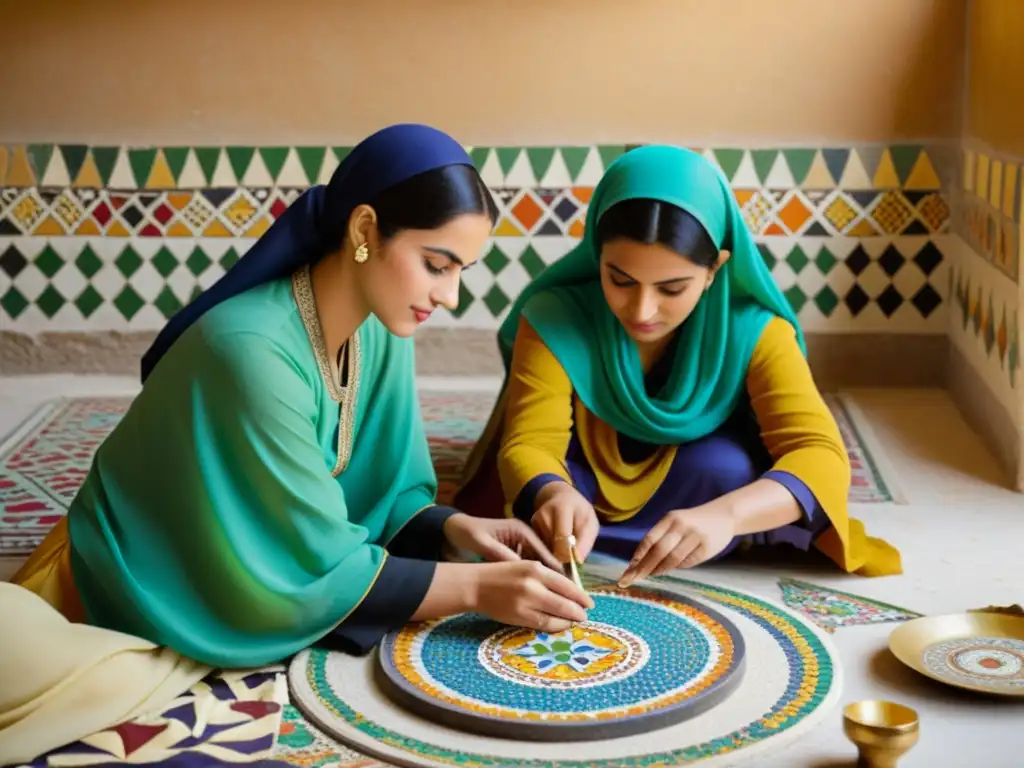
{"x": 89, "y": 227}
{"x": 996, "y": 184}
{"x": 217, "y": 229}
{"x": 863, "y": 228}
{"x": 923, "y": 175}
{"x": 506, "y": 228}
{"x": 1010, "y": 174}
{"x": 934, "y": 211}
{"x": 27, "y": 212}
{"x": 981, "y": 179}
{"x": 892, "y": 213}
{"x": 88, "y": 175}
{"x": 179, "y": 229}
{"x": 160, "y": 177}
{"x": 19, "y": 172}
{"x": 49, "y": 227}
{"x": 886, "y": 176}
{"x": 240, "y": 212}
{"x": 3, "y": 163}
{"x": 117, "y": 229}
{"x": 68, "y": 210}
{"x": 840, "y": 213}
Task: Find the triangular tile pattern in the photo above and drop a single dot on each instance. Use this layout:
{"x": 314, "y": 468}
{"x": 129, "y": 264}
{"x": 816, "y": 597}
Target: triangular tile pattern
{"x": 807, "y": 167}
{"x": 831, "y": 609}
{"x": 808, "y": 207}
{"x": 990, "y": 220}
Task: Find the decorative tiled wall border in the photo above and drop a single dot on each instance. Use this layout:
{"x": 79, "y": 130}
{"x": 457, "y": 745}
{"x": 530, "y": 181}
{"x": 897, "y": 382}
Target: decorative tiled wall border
{"x": 994, "y": 323}
{"x": 118, "y": 238}
{"x": 990, "y": 207}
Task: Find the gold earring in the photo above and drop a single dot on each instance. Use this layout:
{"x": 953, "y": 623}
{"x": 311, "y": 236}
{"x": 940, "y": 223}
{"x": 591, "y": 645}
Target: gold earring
{"x": 362, "y": 254}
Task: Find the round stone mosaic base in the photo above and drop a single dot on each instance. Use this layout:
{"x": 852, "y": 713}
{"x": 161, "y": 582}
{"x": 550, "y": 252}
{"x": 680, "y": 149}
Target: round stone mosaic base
{"x": 645, "y": 660}
{"x": 993, "y": 663}
{"x": 791, "y": 681}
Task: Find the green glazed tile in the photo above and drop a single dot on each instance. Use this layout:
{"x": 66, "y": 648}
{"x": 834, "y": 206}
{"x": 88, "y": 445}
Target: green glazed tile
{"x": 540, "y": 160}
{"x": 273, "y": 158}
{"x": 574, "y": 158}
{"x": 799, "y": 161}
{"x": 207, "y": 157}
{"x": 105, "y": 159}
{"x": 729, "y": 161}
{"x": 240, "y": 159}
{"x": 39, "y": 155}
{"x": 507, "y": 157}
{"x": 74, "y": 157}
{"x": 176, "y": 157}
{"x": 764, "y": 160}
{"x": 312, "y": 160}
{"x": 141, "y": 161}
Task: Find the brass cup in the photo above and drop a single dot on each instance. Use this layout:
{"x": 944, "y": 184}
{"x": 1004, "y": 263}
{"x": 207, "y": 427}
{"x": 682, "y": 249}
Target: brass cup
{"x": 883, "y": 731}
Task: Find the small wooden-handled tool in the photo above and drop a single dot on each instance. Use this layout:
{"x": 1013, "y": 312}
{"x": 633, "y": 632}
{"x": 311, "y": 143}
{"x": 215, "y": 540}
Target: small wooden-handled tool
{"x": 572, "y": 568}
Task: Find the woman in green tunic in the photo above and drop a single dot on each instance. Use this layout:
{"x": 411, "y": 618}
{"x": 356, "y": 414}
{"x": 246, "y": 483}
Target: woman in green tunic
{"x": 271, "y": 486}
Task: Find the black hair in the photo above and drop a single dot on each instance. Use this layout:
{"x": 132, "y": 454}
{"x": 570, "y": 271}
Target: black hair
{"x": 650, "y": 222}
{"x": 431, "y": 199}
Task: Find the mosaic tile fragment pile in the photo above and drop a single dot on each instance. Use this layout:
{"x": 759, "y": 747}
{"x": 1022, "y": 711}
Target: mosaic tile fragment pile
{"x": 119, "y": 238}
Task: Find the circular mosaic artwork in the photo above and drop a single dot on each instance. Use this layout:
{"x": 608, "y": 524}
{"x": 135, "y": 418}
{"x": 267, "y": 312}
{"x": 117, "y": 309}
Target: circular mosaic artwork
{"x": 645, "y": 659}
{"x": 996, "y": 663}
{"x": 790, "y": 681}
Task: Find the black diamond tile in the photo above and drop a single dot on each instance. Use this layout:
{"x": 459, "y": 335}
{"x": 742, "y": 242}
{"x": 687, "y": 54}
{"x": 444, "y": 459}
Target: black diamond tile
{"x": 148, "y": 200}
{"x": 816, "y": 230}
{"x": 915, "y": 196}
{"x": 926, "y": 300}
{"x": 566, "y": 209}
{"x": 7, "y": 228}
{"x": 856, "y": 299}
{"x": 889, "y": 300}
{"x": 858, "y": 260}
{"x": 928, "y": 258}
{"x": 916, "y": 227}
{"x": 863, "y": 197}
{"x": 549, "y": 227}
{"x": 12, "y": 262}
{"x": 891, "y": 260}
{"x": 132, "y": 215}
{"x": 217, "y": 196}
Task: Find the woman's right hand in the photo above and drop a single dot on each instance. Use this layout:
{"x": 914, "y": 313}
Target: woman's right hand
{"x": 563, "y": 511}
{"x": 526, "y": 593}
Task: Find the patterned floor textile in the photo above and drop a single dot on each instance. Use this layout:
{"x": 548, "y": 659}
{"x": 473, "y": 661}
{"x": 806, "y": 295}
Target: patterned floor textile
{"x": 43, "y": 464}
{"x": 228, "y": 718}
{"x": 831, "y": 609}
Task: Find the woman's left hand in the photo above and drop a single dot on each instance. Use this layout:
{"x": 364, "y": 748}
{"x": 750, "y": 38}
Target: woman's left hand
{"x": 682, "y": 539}
{"x": 497, "y": 540}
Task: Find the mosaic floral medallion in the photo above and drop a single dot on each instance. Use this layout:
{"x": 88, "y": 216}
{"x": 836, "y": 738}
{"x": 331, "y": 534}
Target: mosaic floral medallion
{"x": 991, "y": 662}
{"x": 791, "y": 680}
{"x": 581, "y": 657}
{"x": 642, "y": 660}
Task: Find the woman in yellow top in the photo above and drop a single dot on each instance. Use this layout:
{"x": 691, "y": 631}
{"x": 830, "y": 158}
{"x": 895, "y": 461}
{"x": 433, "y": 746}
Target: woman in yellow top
{"x": 658, "y": 403}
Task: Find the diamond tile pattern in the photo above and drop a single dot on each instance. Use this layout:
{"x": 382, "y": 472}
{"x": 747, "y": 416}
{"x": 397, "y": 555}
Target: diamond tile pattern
{"x": 116, "y": 238}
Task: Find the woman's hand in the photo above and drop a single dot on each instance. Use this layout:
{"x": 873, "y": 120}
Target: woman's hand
{"x": 527, "y": 594}
{"x": 562, "y": 512}
{"x": 497, "y": 540}
{"x": 682, "y": 539}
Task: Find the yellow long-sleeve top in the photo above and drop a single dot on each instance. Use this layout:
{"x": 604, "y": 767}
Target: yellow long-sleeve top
{"x": 796, "y": 427}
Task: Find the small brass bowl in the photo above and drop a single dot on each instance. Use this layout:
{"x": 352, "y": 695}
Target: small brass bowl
{"x": 882, "y": 730}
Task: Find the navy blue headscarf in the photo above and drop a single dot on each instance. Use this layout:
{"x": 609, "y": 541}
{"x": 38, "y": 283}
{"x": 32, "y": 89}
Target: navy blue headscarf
{"x": 314, "y": 225}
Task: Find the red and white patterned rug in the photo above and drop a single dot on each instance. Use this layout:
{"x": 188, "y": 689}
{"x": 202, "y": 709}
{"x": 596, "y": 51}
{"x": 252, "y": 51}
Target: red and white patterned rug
{"x": 44, "y": 462}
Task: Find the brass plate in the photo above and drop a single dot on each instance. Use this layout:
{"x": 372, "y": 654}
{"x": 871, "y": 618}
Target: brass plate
{"x": 976, "y": 651}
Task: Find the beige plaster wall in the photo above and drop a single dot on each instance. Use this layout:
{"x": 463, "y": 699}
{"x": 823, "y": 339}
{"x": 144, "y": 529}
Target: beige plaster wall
{"x": 529, "y": 72}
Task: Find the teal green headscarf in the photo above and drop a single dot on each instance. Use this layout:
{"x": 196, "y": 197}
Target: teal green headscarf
{"x": 567, "y": 308}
